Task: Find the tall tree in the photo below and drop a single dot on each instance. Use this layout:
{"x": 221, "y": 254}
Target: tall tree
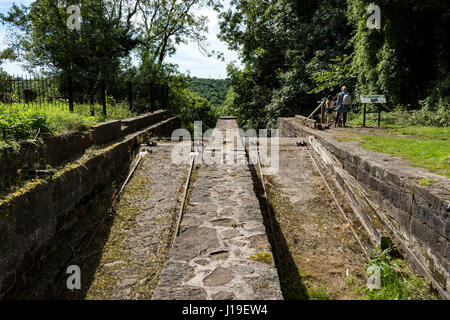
{"x": 277, "y": 40}
{"x": 166, "y": 23}
{"x": 41, "y": 38}
{"x": 409, "y": 58}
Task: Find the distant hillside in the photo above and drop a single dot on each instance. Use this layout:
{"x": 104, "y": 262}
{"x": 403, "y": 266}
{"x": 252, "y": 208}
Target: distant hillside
{"x": 214, "y": 90}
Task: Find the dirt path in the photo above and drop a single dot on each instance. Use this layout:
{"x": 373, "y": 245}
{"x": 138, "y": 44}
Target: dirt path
{"x": 328, "y": 260}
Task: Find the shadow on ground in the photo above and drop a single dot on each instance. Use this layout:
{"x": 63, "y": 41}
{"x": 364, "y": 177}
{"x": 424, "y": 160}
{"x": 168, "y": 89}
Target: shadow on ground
{"x": 292, "y": 286}
{"x": 81, "y": 245}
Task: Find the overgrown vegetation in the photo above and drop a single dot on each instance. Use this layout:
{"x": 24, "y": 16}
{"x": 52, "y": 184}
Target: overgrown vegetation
{"x": 400, "y": 115}
{"x": 397, "y": 283}
{"x": 22, "y": 121}
{"x": 213, "y": 90}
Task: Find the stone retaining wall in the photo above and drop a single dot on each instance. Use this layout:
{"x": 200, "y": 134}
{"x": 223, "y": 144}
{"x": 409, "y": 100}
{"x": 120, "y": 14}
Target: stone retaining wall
{"x": 55, "y": 150}
{"x": 415, "y": 216}
{"x": 134, "y": 124}
{"x": 31, "y": 217}
{"x": 307, "y": 122}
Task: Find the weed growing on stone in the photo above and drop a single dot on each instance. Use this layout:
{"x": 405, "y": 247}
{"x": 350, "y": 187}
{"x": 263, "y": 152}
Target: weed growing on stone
{"x": 397, "y": 283}
{"x": 427, "y": 182}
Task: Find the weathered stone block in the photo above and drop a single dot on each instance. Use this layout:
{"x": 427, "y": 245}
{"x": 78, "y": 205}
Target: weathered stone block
{"x": 35, "y": 214}
{"x": 428, "y": 237}
{"x": 219, "y": 277}
{"x": 400, "y": 216}
{"x": 106, "y": 132}
{"x": 447, "y": 230}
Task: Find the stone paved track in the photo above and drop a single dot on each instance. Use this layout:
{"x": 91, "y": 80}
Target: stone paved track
{"x": 222, "y": 251}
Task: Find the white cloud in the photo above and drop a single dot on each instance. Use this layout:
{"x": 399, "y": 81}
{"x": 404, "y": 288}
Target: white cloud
{"x": 11, "y": 68}
{"x": 187, "y": 57}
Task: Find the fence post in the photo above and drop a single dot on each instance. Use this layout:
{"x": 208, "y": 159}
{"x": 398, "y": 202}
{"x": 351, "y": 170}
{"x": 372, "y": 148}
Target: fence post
{"x": 91, "y": 103}
{"x": 152, "y": 97}
{"x": 166, "y": 97}
{"x": 104, "y": 96}
{"x": 364, "y": 116}
{"x": 70, "y": 93}
{"x": 379, "y": 114}
{"x": 130, "y": 95}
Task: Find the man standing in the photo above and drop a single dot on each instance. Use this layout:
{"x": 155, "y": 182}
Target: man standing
{"x": 344, "y": 102}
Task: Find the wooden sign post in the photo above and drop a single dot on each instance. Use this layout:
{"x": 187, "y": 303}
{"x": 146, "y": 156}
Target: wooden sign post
{"x": 373, "y": 99}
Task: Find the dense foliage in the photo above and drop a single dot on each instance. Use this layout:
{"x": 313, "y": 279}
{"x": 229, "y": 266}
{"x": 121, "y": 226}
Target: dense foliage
{"x": 23, "y": 121}
{"x": 213, "y": 90}
{"x": 297, "y": 52}
{"x": 119, "y": 40}
{"x": 189, "y": 105}
{"x": 277, "y": 41}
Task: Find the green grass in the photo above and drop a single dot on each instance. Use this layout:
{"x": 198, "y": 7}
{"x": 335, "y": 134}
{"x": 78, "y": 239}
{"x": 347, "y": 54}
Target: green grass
{"x": 429, "y": 132}
{"x": 427, "y": 182}
{"x": 319, "y": 292}
{"x": 425, "y": 153}
{"x": 397, "y": 283}
{"x": 425, "y": 147}
{"x": 435, "y": 133}
{"x": 21, "y": 121}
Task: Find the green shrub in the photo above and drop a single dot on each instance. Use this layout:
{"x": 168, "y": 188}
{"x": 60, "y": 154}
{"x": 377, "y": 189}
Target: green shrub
{"x": 22, "y": 121}
{"x": 396, "y": 283}
{"x": 437, "y": 116}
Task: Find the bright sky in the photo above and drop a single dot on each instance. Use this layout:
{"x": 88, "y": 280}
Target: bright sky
{"x": 188, "y": 57}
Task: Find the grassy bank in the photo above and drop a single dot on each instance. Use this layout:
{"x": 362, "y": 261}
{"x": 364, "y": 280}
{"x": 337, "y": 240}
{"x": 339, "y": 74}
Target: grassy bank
{"x": 22, "y": 121}
{"x": 425, "y": 147}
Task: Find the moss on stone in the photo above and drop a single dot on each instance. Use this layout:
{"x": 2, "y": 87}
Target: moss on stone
{"x": 264, "y": 257}
{"x": 427, "y": 182}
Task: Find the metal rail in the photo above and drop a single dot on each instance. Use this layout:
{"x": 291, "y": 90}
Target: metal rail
{"x": 339, "y": 206}
{"x": 316, "y": 110}
{"x": 141, "y": 155}
{"x": 183, "y": 201}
